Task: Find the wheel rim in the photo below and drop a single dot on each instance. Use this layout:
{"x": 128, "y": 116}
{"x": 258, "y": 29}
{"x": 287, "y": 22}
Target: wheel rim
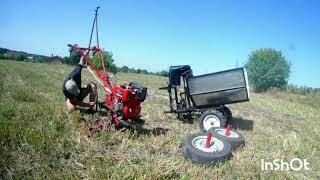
{"x": 199, "y": 143}
{"x": 211, "y": 121}
{"x": 223, "y": 133}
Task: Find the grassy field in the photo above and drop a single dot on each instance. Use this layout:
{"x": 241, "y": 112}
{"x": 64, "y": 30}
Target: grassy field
{"x": 40, "y": 140}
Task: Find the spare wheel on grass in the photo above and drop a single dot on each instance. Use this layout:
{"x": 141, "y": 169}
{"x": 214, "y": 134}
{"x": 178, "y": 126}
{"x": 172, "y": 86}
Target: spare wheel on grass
{"x": 195, "y": 149}
{"x": 235, "y": 139}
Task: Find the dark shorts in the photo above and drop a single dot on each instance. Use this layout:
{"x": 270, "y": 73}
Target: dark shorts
{"x": 70, "y": 96}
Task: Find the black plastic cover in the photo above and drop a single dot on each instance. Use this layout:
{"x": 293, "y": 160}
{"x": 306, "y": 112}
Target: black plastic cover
{"x": 175, "y": 73}
{"x": 141, "y": 91}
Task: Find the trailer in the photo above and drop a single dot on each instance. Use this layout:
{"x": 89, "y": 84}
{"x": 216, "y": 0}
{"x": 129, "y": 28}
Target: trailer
{"x": 206, "y": 94}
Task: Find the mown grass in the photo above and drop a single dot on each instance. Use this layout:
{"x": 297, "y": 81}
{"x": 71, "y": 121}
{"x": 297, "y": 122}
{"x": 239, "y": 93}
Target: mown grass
{"x": 40, "y": 140}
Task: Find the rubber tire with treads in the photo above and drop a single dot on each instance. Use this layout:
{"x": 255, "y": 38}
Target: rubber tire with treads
{"x": 227, "y": 113}
{"x": 200, "y": 157}
{"x": 234, "y": 142}
{"x": 214, "y": 112}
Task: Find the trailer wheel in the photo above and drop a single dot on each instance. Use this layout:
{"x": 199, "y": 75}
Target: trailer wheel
{"x": 235, "y": 139}
{"x": 211, "y": 118}
{"x": 194, "y": 149}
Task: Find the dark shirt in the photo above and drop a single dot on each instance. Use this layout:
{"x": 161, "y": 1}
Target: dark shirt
{"x": 76, "y": 76}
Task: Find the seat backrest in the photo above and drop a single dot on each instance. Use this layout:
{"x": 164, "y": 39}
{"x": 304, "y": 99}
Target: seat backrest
{"x": 175, "y": 73}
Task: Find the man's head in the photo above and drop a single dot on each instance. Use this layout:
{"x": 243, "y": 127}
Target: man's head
{"x": 72, "y": 87}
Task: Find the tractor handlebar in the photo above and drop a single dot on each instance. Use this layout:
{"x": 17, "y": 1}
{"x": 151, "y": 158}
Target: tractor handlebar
{"x": 82, "y": 48}
{"x": 164, "y": 88}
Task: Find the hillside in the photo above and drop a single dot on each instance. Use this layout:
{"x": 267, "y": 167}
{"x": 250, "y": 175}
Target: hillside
{"x": 39, "y": 139}
{"x": 12, "y": 54}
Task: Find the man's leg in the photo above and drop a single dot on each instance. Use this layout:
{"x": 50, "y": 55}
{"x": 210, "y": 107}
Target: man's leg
{"x": 92, "y": 90}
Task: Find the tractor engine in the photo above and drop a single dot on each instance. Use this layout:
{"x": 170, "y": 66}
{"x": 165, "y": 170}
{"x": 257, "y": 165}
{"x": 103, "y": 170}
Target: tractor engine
{"x": 128, "y": 100}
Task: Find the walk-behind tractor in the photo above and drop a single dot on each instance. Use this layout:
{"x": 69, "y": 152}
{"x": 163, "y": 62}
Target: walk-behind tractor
{"x": 207, "y": 94}
{"x": 122, "y": 102}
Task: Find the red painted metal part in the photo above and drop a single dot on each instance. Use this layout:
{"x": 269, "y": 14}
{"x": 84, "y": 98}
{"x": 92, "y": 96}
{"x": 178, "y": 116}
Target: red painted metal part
{"x": 119, "y": 93}
{"x": 229, "y": 127}
{"x": 208, "y": 142}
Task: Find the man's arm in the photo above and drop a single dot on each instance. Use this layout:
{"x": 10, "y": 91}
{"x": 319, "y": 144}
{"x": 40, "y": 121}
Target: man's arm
{"x": 81, "y": 62}
{"x": 76, "y": 73}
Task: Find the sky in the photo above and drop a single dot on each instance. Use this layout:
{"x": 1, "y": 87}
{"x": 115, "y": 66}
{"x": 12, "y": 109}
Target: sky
{"x": 209, "y": 35}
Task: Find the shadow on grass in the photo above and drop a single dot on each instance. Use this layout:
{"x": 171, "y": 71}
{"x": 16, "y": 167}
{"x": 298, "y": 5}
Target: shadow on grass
{"x": 153, "y": 131}
{"x": 138, "y": 128}
{"x": 243, "y": 124}
{"x": 91, "y": 112}
{"x": 188, "y": 118}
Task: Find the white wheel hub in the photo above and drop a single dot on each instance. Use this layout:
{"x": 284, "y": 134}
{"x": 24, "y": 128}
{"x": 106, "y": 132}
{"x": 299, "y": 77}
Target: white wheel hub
{"x": 200, "y": 144}
{"x": 223, "y": 133}
{"x": 211, "y": 121}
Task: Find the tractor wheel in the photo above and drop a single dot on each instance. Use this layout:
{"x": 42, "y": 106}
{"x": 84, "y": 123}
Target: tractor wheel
{"x": 123, "y": 124}
{"x": 235, "y": 139}
{"x": 195, "y": 150}
{"x": 211, "y": 118}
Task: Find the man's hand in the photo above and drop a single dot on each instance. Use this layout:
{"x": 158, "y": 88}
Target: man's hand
{"x": 97, "y": 106}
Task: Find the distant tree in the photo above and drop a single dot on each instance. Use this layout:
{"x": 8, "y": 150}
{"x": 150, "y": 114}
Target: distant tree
{"x": 21, "y": 57}
{"x": 144, "y": 71}
{"x": 109, "y": 61}
{"x": 124, "y": 69}
{"x": 267, "y": 68}
{"x": 3, "y": 50}
{"x": 39, "y": 59}
{"x": 2, "y": 56}
{"x": 302, "y": 90}
{"x": 66, "y": 60}
{"x": 132, "y": 70}
{"x": 164, "y": 73}
{"x": 74, "y": 58}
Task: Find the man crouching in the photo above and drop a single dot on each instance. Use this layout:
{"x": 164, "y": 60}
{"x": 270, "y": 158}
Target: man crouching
{"x": 75, "y": 94}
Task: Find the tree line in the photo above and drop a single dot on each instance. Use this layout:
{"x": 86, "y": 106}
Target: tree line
{"x": 267, "y": 69}
{"x": 75, "y": 56}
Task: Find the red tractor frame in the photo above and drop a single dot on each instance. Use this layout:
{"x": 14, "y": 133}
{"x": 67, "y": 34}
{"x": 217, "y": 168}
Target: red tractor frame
{"x": 122, "y": 101}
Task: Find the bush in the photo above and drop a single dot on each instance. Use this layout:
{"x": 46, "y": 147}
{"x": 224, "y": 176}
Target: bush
{"x": 302, "y": 90}
{"x": 109, "y": 61}
{"x": 21, "y": 57}
{"x": 267, "y": 68}
{"x": 124, "y": 69}
{"x": 66, "y": 60}
{"x": 164, "y": 73}
{"x": 2, "y": 56}
{"x": 74, "y": 57}
{"x": 39, "y": 59}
